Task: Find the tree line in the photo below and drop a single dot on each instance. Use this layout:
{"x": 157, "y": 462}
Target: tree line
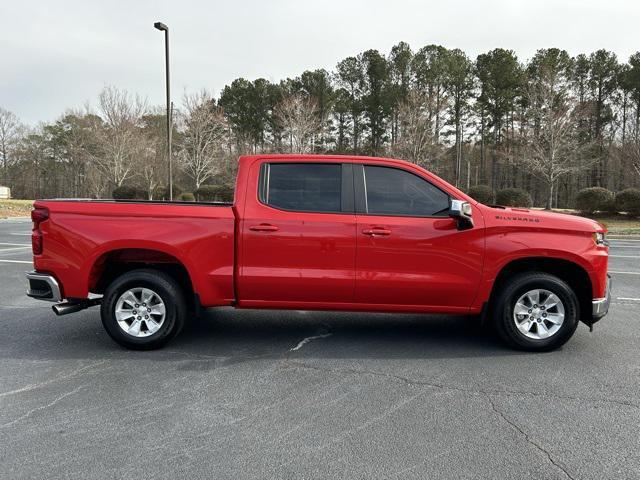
{"x": 551, "y": 125}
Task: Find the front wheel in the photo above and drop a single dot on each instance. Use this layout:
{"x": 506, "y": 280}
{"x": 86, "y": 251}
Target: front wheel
{"x": 143, "y": 309}
{"x": 536, "y": 311}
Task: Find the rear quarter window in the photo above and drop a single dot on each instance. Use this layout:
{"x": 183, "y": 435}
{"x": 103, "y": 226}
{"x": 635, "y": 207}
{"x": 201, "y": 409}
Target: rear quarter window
{"x": 305, "y": 187}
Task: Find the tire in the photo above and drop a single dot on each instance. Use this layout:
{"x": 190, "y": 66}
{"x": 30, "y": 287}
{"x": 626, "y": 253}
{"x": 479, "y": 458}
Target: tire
{"x": 150, "y": 329}
{"x": 525, "y": 325}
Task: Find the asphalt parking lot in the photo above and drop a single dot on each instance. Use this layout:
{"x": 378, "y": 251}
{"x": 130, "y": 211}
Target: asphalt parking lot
{"x": 314, "y": 395}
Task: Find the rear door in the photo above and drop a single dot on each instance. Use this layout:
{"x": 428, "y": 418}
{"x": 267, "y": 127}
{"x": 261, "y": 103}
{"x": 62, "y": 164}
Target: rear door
{"x": 298, "y": 235}
{"x": 410, "y": 253}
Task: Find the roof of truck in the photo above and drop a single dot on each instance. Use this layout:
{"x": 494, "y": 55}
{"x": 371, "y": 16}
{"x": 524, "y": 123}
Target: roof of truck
{"x": 318, "y": 156}
{"x": 249, "y": 159}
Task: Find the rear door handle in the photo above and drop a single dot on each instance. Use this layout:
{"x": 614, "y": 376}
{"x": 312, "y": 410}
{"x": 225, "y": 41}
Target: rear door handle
{"x": 376, "y": 231}
{"x": 264, "y": 228}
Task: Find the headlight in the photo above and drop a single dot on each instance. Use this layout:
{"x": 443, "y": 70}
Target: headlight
{"x": 601, "y": 239}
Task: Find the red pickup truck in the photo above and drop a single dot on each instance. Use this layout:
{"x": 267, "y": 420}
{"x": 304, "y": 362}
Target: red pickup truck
{"x": 311, "y": 232}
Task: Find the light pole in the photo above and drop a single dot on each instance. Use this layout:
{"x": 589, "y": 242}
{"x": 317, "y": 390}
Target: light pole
{"x": 162, "y": 27}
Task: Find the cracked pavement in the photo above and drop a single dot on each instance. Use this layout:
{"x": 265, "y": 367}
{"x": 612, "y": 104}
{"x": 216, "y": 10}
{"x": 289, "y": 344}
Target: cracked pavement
{"x": 254, "y": 395}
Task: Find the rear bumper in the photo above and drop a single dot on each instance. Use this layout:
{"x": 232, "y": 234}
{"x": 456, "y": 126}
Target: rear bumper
{"x": 43, "y": 287}
{"x": 601, "y": 305}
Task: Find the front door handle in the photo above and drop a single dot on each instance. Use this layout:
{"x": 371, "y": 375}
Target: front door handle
{"x": 376, "y": 231}
{"x": 263, "y": 228}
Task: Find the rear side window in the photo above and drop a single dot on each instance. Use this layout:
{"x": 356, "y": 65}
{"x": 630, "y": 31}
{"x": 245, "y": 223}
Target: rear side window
{"x": 306, "y": 187}
{"x": 391, "y": 191}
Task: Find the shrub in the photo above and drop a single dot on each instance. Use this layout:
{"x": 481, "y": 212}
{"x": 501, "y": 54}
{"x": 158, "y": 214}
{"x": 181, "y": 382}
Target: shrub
{"x": 481, "y": 193}
{"x": 214, "y": 193}
{"x": 129, "y": 192}
{"x": 609, "y": 206}
{"x": 628, "y": 200}
{"x": 514, "y": 197}
{"x": 593, "y": 199}
{"x": 162, "y": 193}
{"x": 187, "y": 197}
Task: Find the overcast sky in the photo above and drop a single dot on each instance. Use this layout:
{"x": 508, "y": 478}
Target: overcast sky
{"x": 59, "y": 54}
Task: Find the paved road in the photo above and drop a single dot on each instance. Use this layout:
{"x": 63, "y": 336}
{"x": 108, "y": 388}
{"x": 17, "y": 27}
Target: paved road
{"x": 243, "y": 395}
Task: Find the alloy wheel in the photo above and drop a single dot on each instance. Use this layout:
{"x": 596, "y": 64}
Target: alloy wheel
{"x": 140, "y": 312}
{"x": 539, "y": 314}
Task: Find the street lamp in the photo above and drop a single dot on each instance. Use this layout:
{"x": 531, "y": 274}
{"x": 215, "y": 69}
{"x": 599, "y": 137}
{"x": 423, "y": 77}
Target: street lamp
{"x": 163, "y": 28}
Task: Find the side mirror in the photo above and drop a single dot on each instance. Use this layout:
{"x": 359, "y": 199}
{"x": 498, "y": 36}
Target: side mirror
{"x": 461, "y": 211}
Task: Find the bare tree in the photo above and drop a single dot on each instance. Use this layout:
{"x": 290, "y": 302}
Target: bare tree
{"x": 204, "y": 138}
{"x": 121, "y": 139}
{"x": 9, "y": 135}
{"x": 152, "y": 147}
{"x": 417, "y": 141}
{"x": 633, "y": 151}
{"x": 148, "y": 164}
{"x": 96, "y": 182}
{"x": 554, "y": 149}
{"x": 298, "y": 117}
{"x": 81, "y": 145}
{"x": 29, "y": 156}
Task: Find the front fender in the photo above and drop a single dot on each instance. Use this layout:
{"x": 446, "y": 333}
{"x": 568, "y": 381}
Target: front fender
{"x": 505, "y": 247}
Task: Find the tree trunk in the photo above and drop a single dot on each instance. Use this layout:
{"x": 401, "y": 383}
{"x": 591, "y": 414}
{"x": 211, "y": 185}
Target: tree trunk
{"x": 5, "y": 173}
{"x": 494, "y": 164}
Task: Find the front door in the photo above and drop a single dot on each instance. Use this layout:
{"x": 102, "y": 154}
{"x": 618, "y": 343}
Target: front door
{"x": 298, "y": 236}
{"x": 410, "y": 254}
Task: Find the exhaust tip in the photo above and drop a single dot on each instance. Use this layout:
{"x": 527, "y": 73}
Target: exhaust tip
{"x": 73, "y": 307}
{"x": 67, "y": 307}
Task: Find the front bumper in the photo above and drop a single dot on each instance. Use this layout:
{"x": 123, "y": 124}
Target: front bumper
{"x": 43, "y": 287}
{"x": 601, "y": 305}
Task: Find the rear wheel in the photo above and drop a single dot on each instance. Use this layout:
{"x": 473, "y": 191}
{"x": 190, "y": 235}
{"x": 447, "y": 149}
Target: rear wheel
{"x": 143, "y": 309}
{"x": 536, "y": 311}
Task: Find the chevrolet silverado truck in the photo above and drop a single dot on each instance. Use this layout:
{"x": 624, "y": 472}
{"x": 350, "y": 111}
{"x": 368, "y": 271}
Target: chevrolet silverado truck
{"x": 316, "y": 232}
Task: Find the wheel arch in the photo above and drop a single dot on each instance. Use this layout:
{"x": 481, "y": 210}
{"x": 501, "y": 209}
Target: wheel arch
{"x": 113, "y": 263}
{"x": 570, "y": 272}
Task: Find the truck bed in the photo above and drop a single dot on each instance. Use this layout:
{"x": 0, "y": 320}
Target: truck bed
{"x": 83, "y": 236}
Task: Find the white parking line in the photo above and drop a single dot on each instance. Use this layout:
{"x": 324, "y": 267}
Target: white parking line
{"x": 624, "y": 273}
{"x": 630, "y": 299}
{"x": 18, "y": 233}
{"x": 13, "y": 249}
{"x": 15, "y": 261}
{"x": 610, "y": 256}
{"x": 622, "y": 239}
{"x": 624, "y": 246}
{"x": 16, "y": 244}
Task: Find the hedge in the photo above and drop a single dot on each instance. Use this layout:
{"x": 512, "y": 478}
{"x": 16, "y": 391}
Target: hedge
{"x": 162, "y": 193}
{"x": 594, "y": 199}
{"x": 482, "y": 193}
{"x": 514, "y": 197}
{"x": 628, "y": 201}
{"x": 214, "y": 193}
{"x": 129, "y": 192}
{"x": 187, "y": 197}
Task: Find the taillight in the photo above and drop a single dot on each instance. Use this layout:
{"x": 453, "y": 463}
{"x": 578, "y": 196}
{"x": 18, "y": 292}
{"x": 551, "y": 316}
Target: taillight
{"x": 38, "y": 215}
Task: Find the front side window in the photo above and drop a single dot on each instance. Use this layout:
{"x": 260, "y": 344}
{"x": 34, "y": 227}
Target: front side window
{"x": 391, "y": 191}
{"x": 306, "y": 187}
